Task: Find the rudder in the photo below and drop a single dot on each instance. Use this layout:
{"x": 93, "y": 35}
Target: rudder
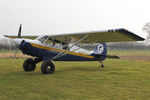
{"x": 100, "y": 51}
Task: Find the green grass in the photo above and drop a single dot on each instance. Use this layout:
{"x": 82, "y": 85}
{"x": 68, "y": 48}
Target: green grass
{"x": 128, "y": 52}
{"x": 119, "y": 80}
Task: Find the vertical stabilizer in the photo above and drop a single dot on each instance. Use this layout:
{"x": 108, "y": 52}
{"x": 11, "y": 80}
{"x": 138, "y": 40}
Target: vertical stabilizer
{"x": 100, "y": 51}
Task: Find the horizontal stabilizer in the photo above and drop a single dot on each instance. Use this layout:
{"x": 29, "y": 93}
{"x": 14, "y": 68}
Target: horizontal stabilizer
{"x": 107, "y": 56}
{"x": 112, "y": 56}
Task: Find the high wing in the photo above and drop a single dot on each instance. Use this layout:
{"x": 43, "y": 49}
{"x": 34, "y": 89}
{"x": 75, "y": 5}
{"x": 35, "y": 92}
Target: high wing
{"x": 113, "y": 35}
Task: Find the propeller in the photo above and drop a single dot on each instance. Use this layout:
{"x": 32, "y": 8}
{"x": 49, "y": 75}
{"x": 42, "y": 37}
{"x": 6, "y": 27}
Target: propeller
{"x": 19, "y": 36}
{"x": 19, "y": 32}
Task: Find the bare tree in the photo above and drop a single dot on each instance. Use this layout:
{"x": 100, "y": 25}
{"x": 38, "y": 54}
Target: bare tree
{"x": 147, "y": 29}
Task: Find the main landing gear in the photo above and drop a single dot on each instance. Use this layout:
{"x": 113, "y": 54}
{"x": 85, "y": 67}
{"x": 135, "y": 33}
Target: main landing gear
{"x": 47, "y": 67}
{"x": 29, "y": 65}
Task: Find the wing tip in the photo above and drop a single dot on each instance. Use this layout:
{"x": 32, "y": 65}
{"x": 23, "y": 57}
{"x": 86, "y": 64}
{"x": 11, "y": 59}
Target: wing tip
{"x": 129, "y": 33}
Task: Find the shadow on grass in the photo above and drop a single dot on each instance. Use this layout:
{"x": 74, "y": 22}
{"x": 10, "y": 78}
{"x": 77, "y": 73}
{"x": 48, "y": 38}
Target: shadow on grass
{"x": 57, "y": 71}
{"x": 86, "y": 69}
{"x": 68, "y": 69}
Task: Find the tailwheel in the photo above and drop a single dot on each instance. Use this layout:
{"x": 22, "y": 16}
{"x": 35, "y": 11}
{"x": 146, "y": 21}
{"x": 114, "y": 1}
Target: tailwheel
{"x": 102, "y": 65}
{"x": 47, "y": 67}
{"x": 29, "y": 65}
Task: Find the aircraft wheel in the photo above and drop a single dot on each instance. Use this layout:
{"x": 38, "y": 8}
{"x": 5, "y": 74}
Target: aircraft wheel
{"x": 29, "y": 65}
{"x": 102, "y": 65}
{"x": 47, "y": 67}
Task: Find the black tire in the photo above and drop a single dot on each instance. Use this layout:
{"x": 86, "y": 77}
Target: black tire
{"x": 102, "y": 65}
{"x": 29, "y": 65}
{"x": 47, "y": 67}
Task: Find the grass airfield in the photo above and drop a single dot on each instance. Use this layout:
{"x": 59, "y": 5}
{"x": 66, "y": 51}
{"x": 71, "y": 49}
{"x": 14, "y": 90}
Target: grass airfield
{"x": 123, "y": 79}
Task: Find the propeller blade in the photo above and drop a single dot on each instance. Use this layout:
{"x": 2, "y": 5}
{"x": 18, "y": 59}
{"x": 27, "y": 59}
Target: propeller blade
{"x": 19, "y": 32}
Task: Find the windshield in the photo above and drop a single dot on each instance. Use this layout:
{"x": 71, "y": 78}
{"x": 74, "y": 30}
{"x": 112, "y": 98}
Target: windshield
{"x": 43, "y": 39}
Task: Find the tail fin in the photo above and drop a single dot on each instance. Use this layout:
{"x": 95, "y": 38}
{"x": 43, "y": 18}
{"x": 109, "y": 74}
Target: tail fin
{"x": 100, "y": 51}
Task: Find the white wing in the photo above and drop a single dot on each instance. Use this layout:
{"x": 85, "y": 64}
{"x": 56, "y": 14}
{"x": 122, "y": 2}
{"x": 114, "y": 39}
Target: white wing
{"x": 114, "y": 35}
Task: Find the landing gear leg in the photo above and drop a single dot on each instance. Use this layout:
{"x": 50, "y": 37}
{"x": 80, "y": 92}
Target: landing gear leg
{"x": 37, "y": 60}
{"x": 102, "y": 65}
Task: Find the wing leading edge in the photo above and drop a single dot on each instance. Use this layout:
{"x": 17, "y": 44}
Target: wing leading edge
{"x": 28, "y": 37}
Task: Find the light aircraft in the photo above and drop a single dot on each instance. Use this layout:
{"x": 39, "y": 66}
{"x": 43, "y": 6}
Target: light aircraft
{"x": 67, "y": 50}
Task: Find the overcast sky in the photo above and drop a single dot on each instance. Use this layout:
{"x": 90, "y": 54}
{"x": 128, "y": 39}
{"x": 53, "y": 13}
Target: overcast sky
{"x": 67, "y": 16}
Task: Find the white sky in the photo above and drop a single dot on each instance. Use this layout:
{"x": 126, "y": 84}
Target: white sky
{"x": 67, "y": 16}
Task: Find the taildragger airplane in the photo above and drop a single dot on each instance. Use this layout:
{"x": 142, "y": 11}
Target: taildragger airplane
{"x": 64, "y": 47}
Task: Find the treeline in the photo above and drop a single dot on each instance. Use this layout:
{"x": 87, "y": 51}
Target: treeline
{"x": 129, "y": 46}
{"x": 3, "y": 47}
{"x": 121, "y": 46}
{"x": 7, "y": 45}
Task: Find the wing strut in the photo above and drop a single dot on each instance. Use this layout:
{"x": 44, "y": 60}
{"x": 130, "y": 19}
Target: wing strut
{"x": 62, "y": 53}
